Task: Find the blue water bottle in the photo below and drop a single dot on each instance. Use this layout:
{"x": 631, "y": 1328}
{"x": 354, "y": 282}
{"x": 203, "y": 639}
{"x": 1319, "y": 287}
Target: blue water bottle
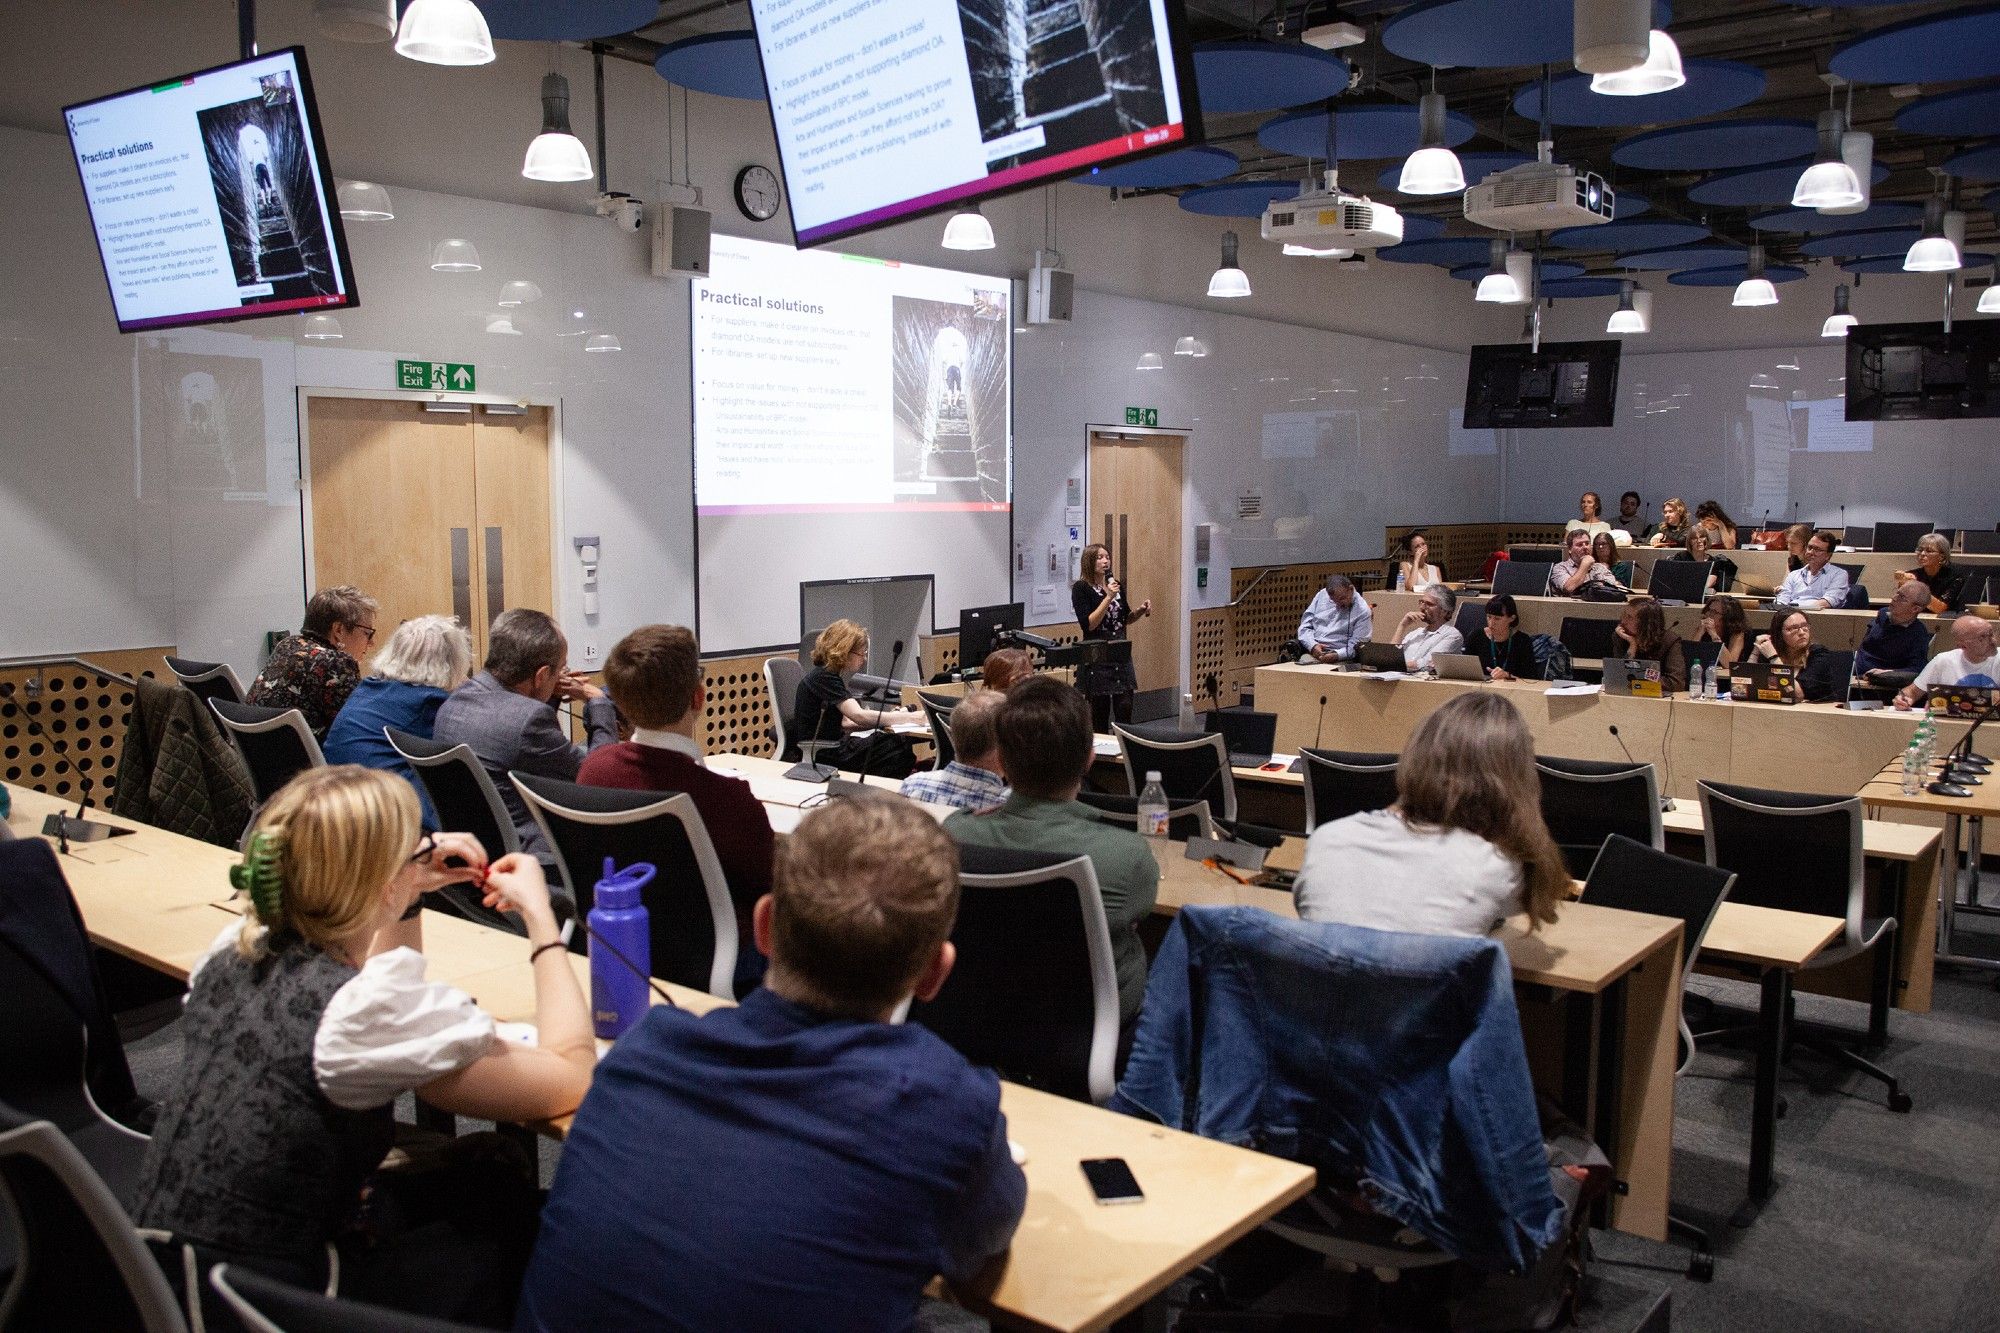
{"x": 621, "y": 950}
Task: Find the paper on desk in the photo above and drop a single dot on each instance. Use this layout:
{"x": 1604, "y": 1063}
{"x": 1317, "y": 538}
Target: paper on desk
{"x": 1105, "y": 745}
{"x": 1573, "y": 687}
{"x": 1385, "y": 675}
{"x": 909, "y": 729}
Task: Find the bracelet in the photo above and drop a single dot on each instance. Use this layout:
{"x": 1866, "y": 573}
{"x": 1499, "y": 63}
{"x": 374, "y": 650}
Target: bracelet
{"x": 414, "y": 910}
{"x": 541, "y": 949}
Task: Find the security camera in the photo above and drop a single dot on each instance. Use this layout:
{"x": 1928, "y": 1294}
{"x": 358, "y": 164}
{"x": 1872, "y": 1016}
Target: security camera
{"x": 625, "y": 212}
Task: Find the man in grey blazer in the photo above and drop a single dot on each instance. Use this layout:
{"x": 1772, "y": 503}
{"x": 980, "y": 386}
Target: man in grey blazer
{"x": 506, "y": 712}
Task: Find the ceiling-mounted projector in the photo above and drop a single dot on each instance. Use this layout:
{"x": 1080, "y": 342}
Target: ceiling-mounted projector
{"x": 1332, "y": 217}
{"x": 1540, "y": 196}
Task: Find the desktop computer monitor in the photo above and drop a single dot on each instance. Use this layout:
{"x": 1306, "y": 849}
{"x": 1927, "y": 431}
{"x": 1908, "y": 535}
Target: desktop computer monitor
{"x": 976, "y": 627}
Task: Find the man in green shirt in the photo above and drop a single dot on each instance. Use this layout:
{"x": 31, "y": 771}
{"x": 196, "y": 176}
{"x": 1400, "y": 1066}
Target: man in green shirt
{"x": 1045, "y": 749}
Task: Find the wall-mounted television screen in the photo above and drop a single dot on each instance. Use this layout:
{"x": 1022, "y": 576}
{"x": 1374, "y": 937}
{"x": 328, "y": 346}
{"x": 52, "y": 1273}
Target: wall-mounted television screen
{"x": 1919, "y": 372}
{"x": 884, "y": 112}
{"x": 211, "y": 198}
{"x": 1561, "y": 384}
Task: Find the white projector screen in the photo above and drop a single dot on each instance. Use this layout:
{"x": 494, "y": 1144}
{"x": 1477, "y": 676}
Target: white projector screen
{"x": 853, "y": 418}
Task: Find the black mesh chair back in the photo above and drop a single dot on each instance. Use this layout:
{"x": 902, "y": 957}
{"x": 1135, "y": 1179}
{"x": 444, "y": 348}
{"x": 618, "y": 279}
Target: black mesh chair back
{"x": 1471, "y": 617}
{"x": 1034, "y": 993}
{"x": 80, "y": 1263}
{"x": 1585, "y": 801}
{"x": 1523, "y": 578}
{"x": 782, "y": 677}
{"x": 1679, "y": 580}
{"x": 1590, "y": 636}
{"x": 1183, "y": 821}
{"x": 1793, "y": 851}
{"x": 937, "y": 711}
{"x": 1340, "y": 783}
{"x": 208, "y": 680}
{"x": 466, "y": 801}
{"x": 690, "y": 918}
{"x": 1840, "y": 667}
{"x": 1900, "y": 537}
{"x": 1854, "y": 572}
{"x": 276, "y": 744}
{"x": 1532, "y": 553}
{"x": 1191, "y": 768}
{"x": 1978, "y": 541}
{"x": 1861, "y": 536}
{"x": 265, "y": 1305}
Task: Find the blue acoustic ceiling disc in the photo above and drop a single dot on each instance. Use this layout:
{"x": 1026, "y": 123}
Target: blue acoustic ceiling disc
{"x": 1728, "y": 275}
{"x": 1707, "y": 254}
{"x": 1568, "y": 289}
{"x": 1717, "y": 144}
{"x": 1490, "y": 34}
{"x": 1960, "y": 115}
{"x": 1808, "y": 222}
{"x": 1646, "y": 235}
{"x": 1183, "y": 166}
{"x": 1712, "y": 87}
{"x": 1450, "y": 251}
{"x": 1862, "y": 244}
{"x": 726, "y": 64}
{"x": 1894, "y": 264}
{"x": 1419, "y": 228}
{"x": 1477, "y": 167}
{"x": 1975, "y": 164}
{"x": 1238, "y": 199}
{"x": 1265, "y": 76}
{"x": 1553, "y": 270}
{"x": 1961, "y": 43}
{"x": 1629, "y": 205}
{"x": 565, "y": 20}
{"x": 1375, "y": 130}
{"x": 1762, "y": 185}
{"x": 1991, "y": 201}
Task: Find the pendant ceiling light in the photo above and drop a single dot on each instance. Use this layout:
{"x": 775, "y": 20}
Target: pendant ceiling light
{"x": 1626, "y": 318}
{"x": 1840, "y": 321}
{"x": 602, "y": 342}
{"x": 1829, "y": 182}
{"x": 518, "y": 292}
{"x": 1612, "y": 36}
{"x": 1499, "y": 286}
{"x": 1433, "y": 168}
{"x": 1184, "y": 345}
{"x": 1755, "y": 289}
{"x": 1150, "y": 361}
{"x": 1935, "y": 251}
{"x": 322, "y": 328}
{"x": 501, "y": 322}
{"x": 1228, "y": 280}
{"x": 455, "y": 256}
{"x": 364, "y": 201}
{"x": 355, "y": 20}
{"x": 1661, "y": 73}
{"x": 445, "y": 32}
{"x": 968, "y": 230}
{"x": 1989, "y": 300}
{"x": 556, "y": 153}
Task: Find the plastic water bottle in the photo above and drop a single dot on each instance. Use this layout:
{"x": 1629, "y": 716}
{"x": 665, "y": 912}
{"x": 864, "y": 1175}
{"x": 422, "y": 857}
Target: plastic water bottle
{"x": 1913, "y": 771}
{"x": 618, "y": 990}
{"x": 1153, "y": 807}
{"x": 1697, "y": 681}
{"x": 1402, "y": 577}
{"x": 1926, "y": 741}
{"x": 1188, "y": 724}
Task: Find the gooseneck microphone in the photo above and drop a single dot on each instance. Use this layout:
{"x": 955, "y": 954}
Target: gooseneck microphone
{"x": 861, "y": 779}
{"x": 809, "y": 770}
{"x": 64, "y": 828}
{"x": 1299, "y": 764}
{"x": 1666, "y": 802}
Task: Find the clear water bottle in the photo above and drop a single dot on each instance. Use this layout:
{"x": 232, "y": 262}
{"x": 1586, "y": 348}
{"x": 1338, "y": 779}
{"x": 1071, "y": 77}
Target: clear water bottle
{"x": 1153, "y": 807}
{"x": 1402, "y": 578}
{"x": 1697, "y": 681}
{"x": 1913, "y": 771}
{"x": 1188, "y": 723}
{"x": 1926, "y": 742}
{"x": 621, "y": 950}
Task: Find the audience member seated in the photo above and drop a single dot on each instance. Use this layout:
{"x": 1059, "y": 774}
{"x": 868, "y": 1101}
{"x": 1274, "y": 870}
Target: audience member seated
{"x": 1935, "y": 571}
{"x": 1642, "y": 630}
{"x": 1336, "y": 620}
{"x": 1578, "y": 573}
{"x": 1505, "y": 652}
{"x": 1004, "y": 666}
{"x": 1699, "y": 546}
{"x": 1410, "y": 569}
{"x": 1674, "y": 525}
{"x": 1723, "y": 622}
{"x": 801, "y": 1161}
{"x": 1796, "y": 538}
{"x": 1970, "y": 661}
{"x": 1817, "y": 584}
{"x": 654, "y": 675}
{"x": 1427, "y": 630}
{"x": 1898, "y": 644}
{"x": 1045, "y": 750}
{"x": 307, "y": 1019}
{"x": 424, "y": 660}
{"x": 971, "y": 781}
{"x": 1590, "y": 520}
{"x": 1464, "y": 846}
{"x": 1721, "y": 528}
{"x": 1604, "y": 550}
{"x": 1630, "y": 521}
{"x": 825, "y": 709}
{"x": 316, "y": 669}
{"x": 507, "y": 714}
{"x": 1790, "y": 643}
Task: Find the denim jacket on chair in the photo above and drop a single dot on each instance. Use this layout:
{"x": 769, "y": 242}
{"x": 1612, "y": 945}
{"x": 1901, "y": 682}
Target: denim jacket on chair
{"x": 1387, "y": 1061}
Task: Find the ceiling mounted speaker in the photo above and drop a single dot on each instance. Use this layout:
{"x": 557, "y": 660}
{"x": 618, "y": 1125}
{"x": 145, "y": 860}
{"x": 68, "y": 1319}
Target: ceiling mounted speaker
{"x": 1612, "y": 36}
{"x": 355, "y": 20}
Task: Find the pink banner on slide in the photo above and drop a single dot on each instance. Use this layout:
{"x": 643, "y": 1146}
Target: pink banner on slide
{"x": 905, "y": 507}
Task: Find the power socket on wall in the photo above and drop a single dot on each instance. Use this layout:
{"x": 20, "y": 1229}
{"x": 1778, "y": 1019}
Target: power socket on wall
{"x": 590, "y": 652}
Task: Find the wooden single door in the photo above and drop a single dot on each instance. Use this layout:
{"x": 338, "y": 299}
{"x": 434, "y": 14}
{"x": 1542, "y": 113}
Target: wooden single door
{"x": 1136, "y": 503}
{"x": 511, "y": 461}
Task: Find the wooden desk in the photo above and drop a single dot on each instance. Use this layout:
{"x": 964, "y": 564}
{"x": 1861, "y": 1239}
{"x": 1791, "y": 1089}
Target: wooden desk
{"x": 1072, "y": 1265}
{"x": 1761, "y": 571}
{"x": 1884, "y": 791}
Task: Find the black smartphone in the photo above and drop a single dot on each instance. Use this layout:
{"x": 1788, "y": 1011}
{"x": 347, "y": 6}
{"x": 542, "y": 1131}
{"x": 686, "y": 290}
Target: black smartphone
{"x": 1111, "y": 1180}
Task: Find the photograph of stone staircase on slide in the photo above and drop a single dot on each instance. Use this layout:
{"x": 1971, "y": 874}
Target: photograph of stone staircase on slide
{"x": 1052, "y": 75}
{"x": 260, "y": 164}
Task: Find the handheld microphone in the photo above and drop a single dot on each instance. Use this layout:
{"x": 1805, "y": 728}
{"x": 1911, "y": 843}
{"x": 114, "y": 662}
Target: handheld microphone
{"x": 64, "y": 828}
{"x": 1666, "y": 802}
{"x": 1299, "y": 764}
{"x": 860, "y": 783}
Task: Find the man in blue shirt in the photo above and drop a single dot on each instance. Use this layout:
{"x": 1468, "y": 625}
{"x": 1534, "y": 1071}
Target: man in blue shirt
{"x": 799, "y": 1161}
{"x": 1817, "y": 584}
{"x": 1898, "y": 644}
{"x": 1335, "y": 621}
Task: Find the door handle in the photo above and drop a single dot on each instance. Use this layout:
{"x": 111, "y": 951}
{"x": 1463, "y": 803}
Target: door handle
{"x": 461, "y": 575}
{"x": 496, "y": 581}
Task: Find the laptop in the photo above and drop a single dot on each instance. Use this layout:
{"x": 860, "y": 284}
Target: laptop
{"x": 1248, "y": 735}
{"x": 1372, "y": 656}
{"x": 1962, "y": 701}
{"x": 1761, "y": 682}
{"x": 1635, "y": 676}
{"x": 1458, "y": 666}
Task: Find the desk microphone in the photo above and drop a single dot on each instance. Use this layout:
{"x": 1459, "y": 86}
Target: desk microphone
{"x": 64, "y": 828}
{"x": 1299, "y": 764}
{"x": 809, "y": 770}
{"x": 1766, "y": 524}
{"x": 860, "y": 783}
{"x": 1666, "y": 802}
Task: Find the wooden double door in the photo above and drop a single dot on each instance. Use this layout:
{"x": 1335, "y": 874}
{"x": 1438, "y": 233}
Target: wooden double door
{"x": 1136, "y": 484}
{"x": 431, "y": 512}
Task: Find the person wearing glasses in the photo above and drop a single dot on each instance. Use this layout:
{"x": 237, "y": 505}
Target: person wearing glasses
{"x": 1428, "y": 631}
{"x": 1815, "y": 585}
{"x": 1502, "y": 649}
{"x": 316, "y": 669}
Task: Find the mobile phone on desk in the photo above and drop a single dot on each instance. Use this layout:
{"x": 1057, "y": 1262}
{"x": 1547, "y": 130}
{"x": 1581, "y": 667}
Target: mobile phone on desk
{"x": 1111, "y": 1181}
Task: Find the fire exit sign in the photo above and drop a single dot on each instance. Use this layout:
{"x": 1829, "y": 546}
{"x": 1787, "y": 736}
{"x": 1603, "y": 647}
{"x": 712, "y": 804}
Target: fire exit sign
{"x": 1142, "y": 416}
{"x": 450, "y": 376}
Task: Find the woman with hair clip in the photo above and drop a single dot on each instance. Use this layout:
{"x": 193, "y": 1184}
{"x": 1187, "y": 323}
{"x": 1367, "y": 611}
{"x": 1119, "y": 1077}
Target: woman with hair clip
{"x": 1103, "y": 614}
{"x": 303, "y": 1025}
{"x": 1464, "y": 846}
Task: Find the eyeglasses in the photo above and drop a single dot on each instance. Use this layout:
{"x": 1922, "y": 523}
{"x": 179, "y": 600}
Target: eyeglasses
{"x": 369, "y": 630}
{"x": 425, "y": 851}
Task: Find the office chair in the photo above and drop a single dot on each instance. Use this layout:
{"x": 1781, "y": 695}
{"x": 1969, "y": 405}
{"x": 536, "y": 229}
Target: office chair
{"x": 1035, "y": 992}
{"x": 690, "y": 916}
{"x": 1590, "y": 636}
{"x": 1523, "y": 578}
{"x": 466, "y": 801}
{"x": 265, "y": 1305}
{"x": 937, "y": 711}
{"x": 1861, "y": 536}
{"x": 1679, "y": 580}
{"x": 1183, "y": 821}
{"x": 276, "y": 744}
{"x": 1802, "y": 853}
{"x": 782, "y": 677}
{"x": 1857, "y": 598}
{"x": 208, "y": 680}
{"x": 1585, "y": 801}
{"x": 1340, "y": 783}
{"x": 1978, "y": 541}
{"x": 1471, "y": 617}
{"x": 1191, "y": 768}
{"x": 1901, "y": 537}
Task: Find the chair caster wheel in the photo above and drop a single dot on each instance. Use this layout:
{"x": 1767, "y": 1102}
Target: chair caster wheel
{"x": 1701, "y": 1268}
{"x": 1900, "y": 1103}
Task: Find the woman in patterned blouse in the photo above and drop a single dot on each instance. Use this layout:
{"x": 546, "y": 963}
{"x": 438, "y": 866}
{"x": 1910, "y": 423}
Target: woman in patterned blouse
{"x": 316, "y": 669}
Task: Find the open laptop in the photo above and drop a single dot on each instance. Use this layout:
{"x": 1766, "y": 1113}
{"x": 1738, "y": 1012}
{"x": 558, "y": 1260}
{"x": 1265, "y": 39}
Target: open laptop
{"x": 1761, "y": 682}
{"x": 1962, "y": 701}
{"x": 1636, "y": 676}
{"x": 1248, "y": 735}
{"x": 1458, "y": 666}
{"x": 1372, "y": 656}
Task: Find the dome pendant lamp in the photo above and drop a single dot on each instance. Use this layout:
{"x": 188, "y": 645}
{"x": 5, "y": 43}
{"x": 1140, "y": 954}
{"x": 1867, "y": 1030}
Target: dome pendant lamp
{"x": 968, "y": 230}
{"x": 1499, "y": 286}
{"x": 1626, "y": 318}
{"x": 1755, "y": 289}
{"x": 1229, "y": 280}
{"x": 1662, "y": 72}
{"x": 1989, "y": 300}
{"x": 1612, "y": 36}
{"x": 1935, "y": 251}
{"x": 1433, "y": 168}
{"x": 556, "y": 153}
{"x": 1840, "y": 321}
{"x": 1829, "y": 182}
{"x": 445, "y": 32}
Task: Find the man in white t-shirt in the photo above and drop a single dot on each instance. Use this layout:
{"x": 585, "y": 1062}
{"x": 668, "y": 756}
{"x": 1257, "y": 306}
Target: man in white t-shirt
{"x": 1970, "y": 662}
{"x": 1428, "y": 630}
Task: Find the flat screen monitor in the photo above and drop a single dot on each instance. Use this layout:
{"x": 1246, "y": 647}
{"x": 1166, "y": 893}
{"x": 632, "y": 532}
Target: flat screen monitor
{"x": 1921, "y": 372}
{"x": 211, "y": 197}
{"x": 1561, "y": 385}
{"x": 887, "y": 111}
{"x": 976, "y": 627}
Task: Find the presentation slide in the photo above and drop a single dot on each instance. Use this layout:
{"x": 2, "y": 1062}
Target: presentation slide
{"x": 853, "y": 418}
{"x": 209, "y": 196}
{"x": 888, "y": 108}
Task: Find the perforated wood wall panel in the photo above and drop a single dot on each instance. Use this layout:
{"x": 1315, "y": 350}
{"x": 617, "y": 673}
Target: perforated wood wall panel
{"x": 1208, "y": 640}
{"x": 1255, "y": 630}
{"x": 85, "y": 712}
{"x": 739, "y": 707}
{"x": 940, "y": 651}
